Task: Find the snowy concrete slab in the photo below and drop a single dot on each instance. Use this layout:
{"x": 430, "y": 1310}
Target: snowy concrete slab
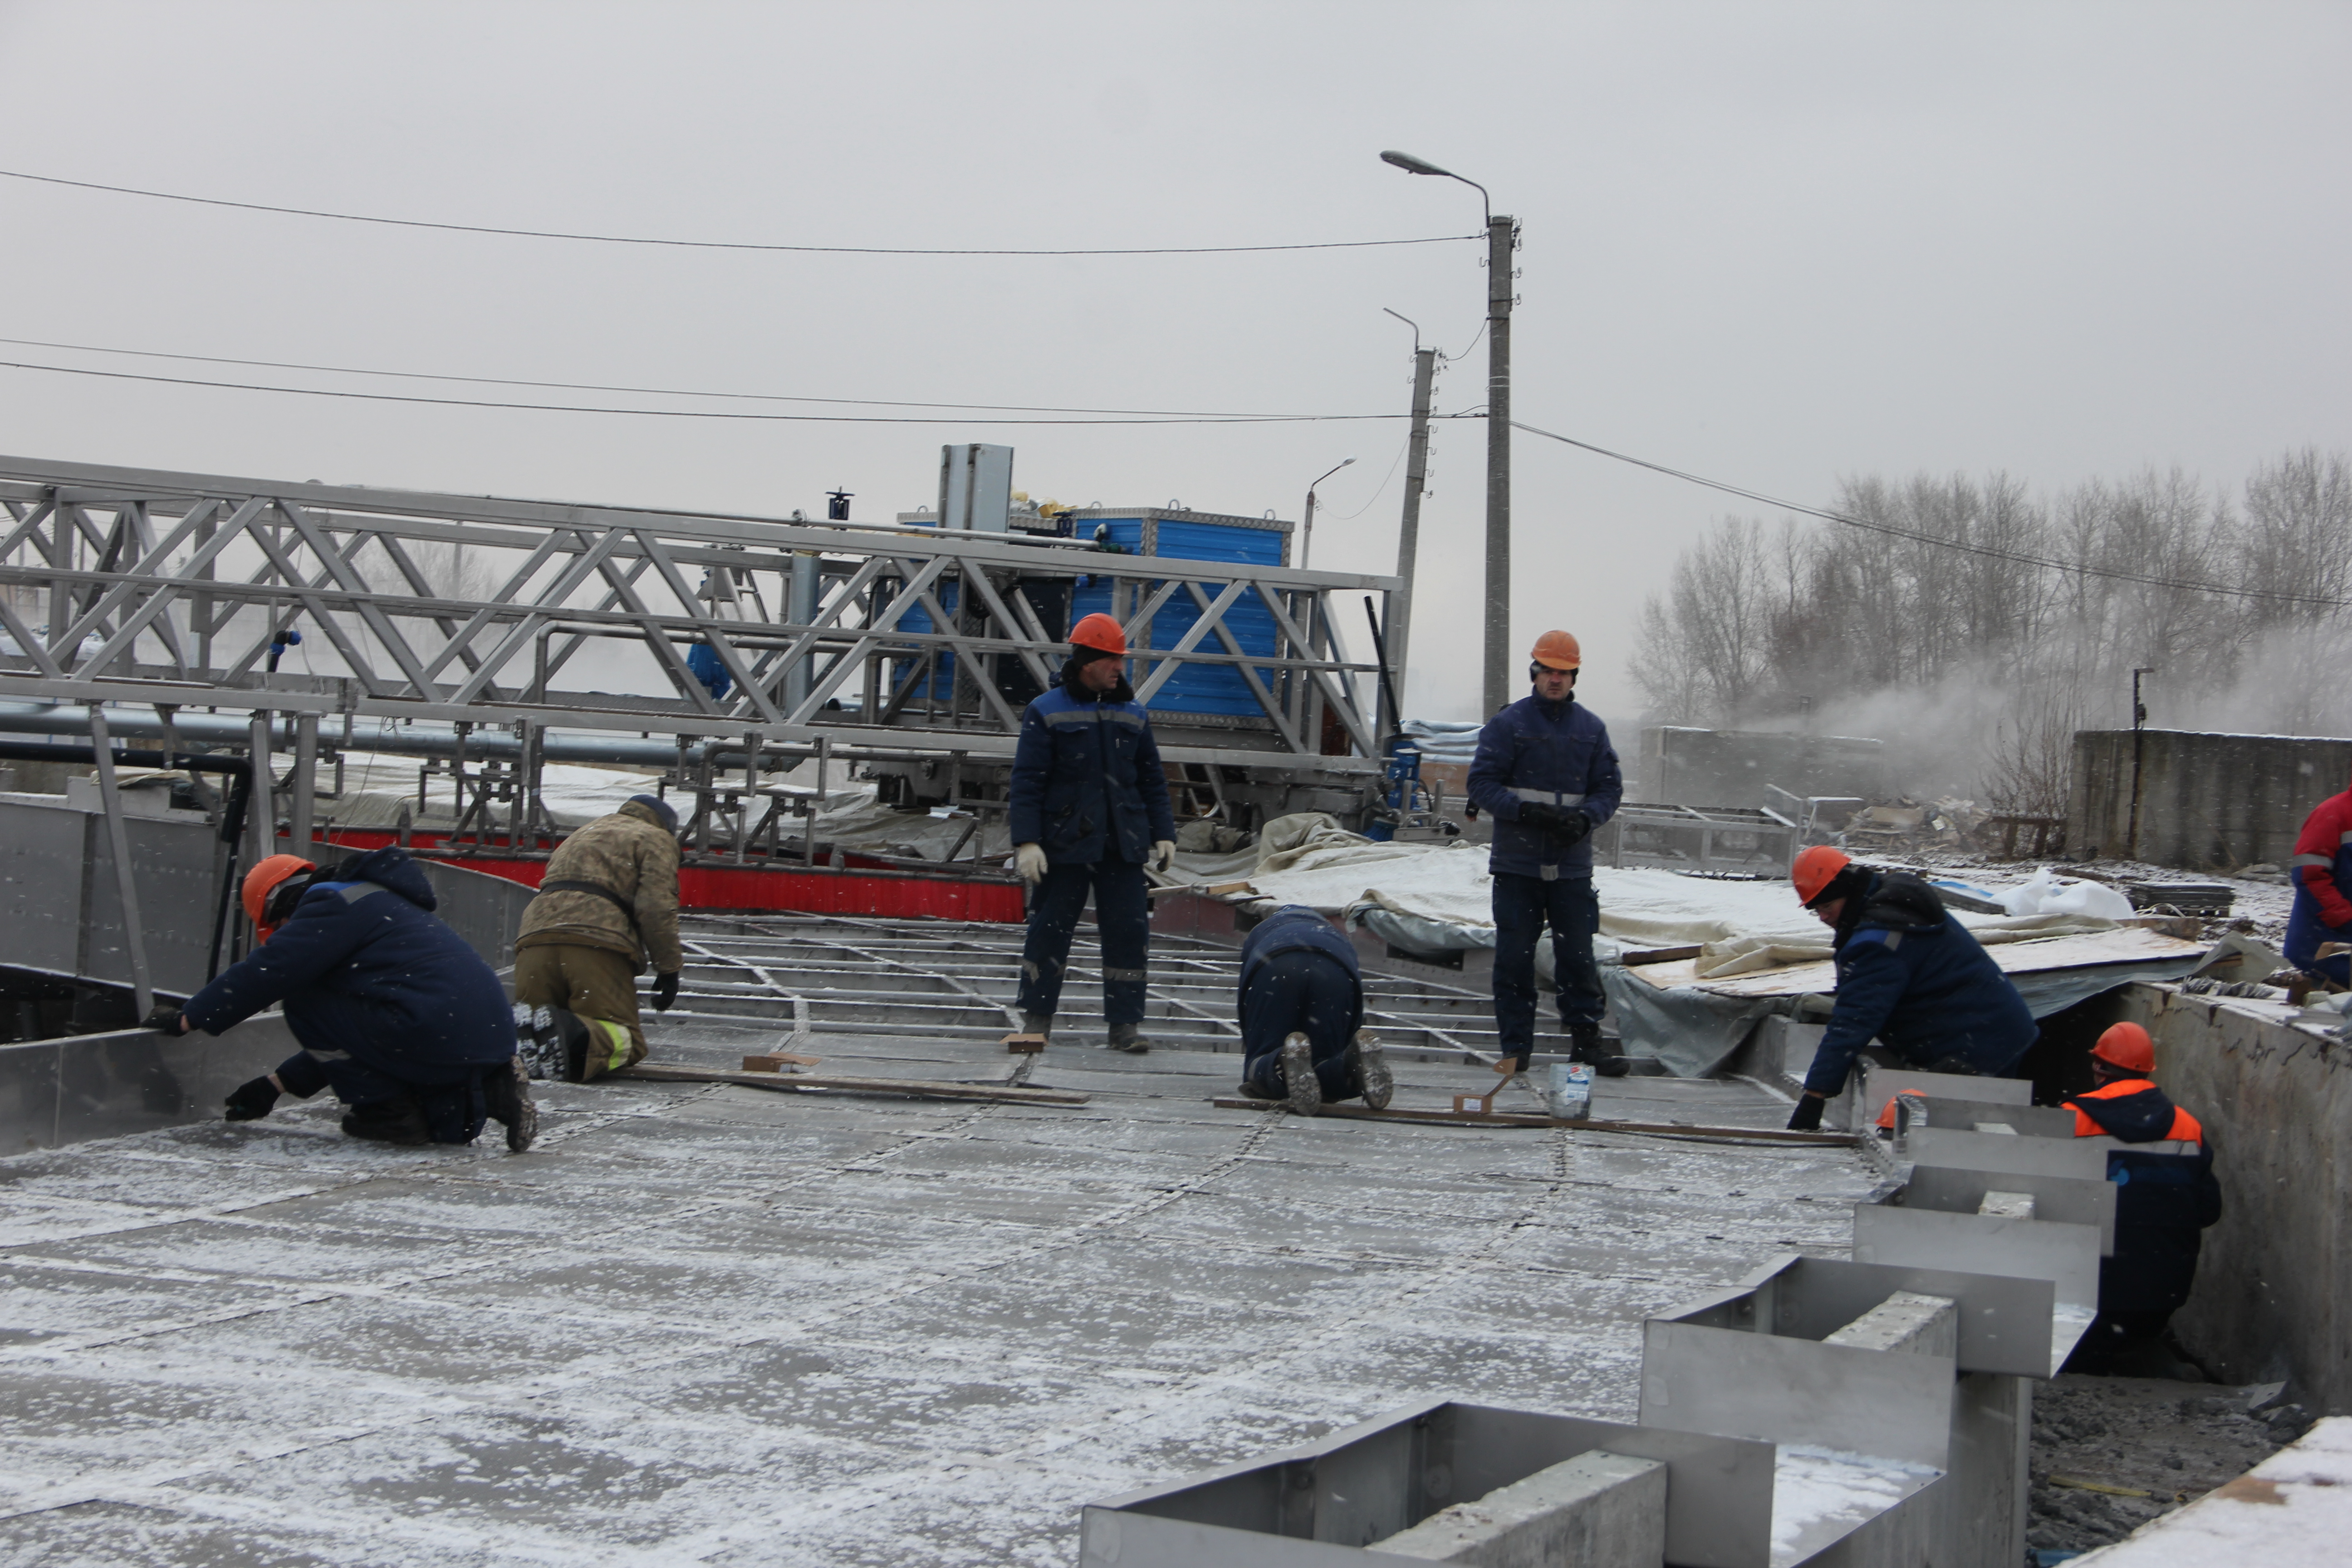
{"x": 708, "y": 1324}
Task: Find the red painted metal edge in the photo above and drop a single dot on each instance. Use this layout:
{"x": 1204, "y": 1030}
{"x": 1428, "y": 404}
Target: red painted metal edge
{"x": 810, "y": 889}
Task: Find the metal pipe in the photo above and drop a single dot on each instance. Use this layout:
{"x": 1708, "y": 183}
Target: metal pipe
{"x": 126, "y": 884}
{"x": 1501, "y": 238}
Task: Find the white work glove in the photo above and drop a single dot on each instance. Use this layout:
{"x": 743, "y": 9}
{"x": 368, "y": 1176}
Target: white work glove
{"x": 1029, "y": 863}
{"x": 1163, "y": 855}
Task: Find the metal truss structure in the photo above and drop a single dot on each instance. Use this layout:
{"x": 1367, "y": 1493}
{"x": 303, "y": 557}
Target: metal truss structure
{"x": 121, "y": 584}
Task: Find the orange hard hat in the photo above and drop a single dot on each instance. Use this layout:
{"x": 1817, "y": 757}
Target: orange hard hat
{"x": 1816, "y": 869}
{"x": 2126, "y": 1045}
{"x": 1556, "y": 650}
{"x": 1100, "y": 633}
{"x": 263, "y": 878}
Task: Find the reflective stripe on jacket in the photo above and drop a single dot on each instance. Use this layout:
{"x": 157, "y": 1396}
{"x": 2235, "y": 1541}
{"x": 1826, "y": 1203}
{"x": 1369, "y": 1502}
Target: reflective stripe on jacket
{"x": 1556, "y": 753}
{"x": 1087, "y": 777}
{"x": 2321, "y": 871}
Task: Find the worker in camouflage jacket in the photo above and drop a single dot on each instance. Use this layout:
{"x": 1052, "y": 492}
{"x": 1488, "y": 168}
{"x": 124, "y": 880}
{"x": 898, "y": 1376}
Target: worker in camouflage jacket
{"x": 607, "y": 909}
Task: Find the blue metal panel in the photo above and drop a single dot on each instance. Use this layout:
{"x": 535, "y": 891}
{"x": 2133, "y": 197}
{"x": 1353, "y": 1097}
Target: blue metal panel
{"x": 1219, "y": 541}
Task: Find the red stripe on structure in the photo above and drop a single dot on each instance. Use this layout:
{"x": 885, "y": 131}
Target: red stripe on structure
{"x": 805, "y": 890}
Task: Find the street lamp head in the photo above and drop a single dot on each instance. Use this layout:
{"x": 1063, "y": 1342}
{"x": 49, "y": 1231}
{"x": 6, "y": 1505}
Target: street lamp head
{"x": 1345, "y": 462}
{"x": 1412, "y": 165}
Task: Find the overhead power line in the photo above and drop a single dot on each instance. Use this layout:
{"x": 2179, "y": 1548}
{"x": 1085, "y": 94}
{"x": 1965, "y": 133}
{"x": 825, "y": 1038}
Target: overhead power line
{"x": 2022, "y": 558}
{"x": 695, "y": 413}
{"x": 728, "y": 244}
{"x": 600, "y": 386}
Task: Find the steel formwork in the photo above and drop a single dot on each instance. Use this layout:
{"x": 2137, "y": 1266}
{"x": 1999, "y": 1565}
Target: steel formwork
{"x": 125, "y": 583}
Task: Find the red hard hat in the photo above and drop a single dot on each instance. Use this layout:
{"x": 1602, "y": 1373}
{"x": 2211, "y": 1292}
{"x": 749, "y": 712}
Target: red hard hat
{"x": 2126, "y": 1045}
{"x": 263, "y": 878}
{"x": 1816, "y": 869}
{"x": 1100, "y": 633}
{"x": 1556, "y": 650}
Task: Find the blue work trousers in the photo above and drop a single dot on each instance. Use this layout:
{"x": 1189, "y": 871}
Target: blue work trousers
{"x": 1122, "y": 925}
{"x": 1523, "y": 907}
{"x": 1300, "y": 992}
{"x": 454, "y": 1106}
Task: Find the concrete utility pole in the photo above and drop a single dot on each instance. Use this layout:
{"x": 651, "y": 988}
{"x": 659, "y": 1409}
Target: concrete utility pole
{"x": 1501, "y": 238}
{"x": 1416, "y": 477}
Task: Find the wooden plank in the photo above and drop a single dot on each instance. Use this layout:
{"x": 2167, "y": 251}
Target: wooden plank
{"x": 1504, "y": 1119}
{"x": 777, "y": 1061}
{"x": 805, "y": 1083}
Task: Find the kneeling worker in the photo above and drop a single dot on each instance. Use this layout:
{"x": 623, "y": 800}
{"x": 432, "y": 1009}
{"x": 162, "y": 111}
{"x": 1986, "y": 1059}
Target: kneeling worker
{"x": 2164, "y": 1194}
{"x": 1908, "y": 975}
{"x": 607, "y": 907}
{"x": 1302, "y": 1007}
{"x": 394, "y": 1013}
{"x": 1088, "y": 811}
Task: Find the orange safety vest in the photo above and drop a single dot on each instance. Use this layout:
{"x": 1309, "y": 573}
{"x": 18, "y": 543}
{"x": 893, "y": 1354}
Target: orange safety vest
{"x": 2186, "y": 1129}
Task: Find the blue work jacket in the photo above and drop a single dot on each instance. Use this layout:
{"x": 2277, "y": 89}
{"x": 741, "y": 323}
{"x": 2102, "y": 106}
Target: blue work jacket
{"x": 1086, "y": 779}
{"x": 1555, "y": 751}
{"x": 1295, "y": 928}
{"x": 1914, "y": 977}
{"x": 365, "y": 968}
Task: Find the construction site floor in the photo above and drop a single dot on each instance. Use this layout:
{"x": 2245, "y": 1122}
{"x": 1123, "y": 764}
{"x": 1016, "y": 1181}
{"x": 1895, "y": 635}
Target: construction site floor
{"x": 712, "y": 1323}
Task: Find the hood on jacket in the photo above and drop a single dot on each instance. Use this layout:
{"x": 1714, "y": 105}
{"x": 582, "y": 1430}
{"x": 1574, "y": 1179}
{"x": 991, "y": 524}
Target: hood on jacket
{"x": 1892, "y": 900}
{"x": 390, "y": 867}
{"x": 1122, "y": 692}
{"x": 2138, "y": 1118}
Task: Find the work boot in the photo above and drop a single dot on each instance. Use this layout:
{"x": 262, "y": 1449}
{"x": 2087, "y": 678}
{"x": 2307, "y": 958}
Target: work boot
{"x": 1129, "y": 1038}
{"x": 1368, "y": 1069}
{"x": 507, "y": 1088}
{"x": 1601, "y": 1055}
{"x": 397, "y": 1120}
{"x": 1037, "y": 1024}
{"x": 1302, "y": 1092}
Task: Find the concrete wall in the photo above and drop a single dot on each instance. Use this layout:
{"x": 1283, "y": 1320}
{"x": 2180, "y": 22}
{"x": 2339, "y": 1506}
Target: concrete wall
{"x": 2273, "y": 1295}
{"x": 2208, "y": 802}
{"x": 1730, "y": 767}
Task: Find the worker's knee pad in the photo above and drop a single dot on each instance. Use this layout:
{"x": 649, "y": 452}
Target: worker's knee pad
{"x": 566, "y": 1045}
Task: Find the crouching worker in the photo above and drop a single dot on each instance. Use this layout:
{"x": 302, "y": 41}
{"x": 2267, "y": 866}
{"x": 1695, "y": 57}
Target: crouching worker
{"x": 394, "y": 1013}
{"x": 1302, "y": 1006}
{"x": 1908, "y": 975}
{"x": 2164, "y": 1194}
{"x": 607, "y": 908}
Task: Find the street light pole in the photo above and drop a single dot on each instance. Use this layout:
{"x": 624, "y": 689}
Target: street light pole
{"x": 1502, "y": 239}
{"x": 1416, "y": 476}
{"x": 1306, "y": 543}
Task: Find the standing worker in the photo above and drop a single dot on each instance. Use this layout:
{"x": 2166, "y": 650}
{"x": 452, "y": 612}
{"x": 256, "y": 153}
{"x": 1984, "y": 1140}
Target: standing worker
{"x": 2164, "y": 1194}
{"x": 607, "y": 908}
{"x": 1302, "y": 1011}
{"x": 1089, "y": 812}
{"x": 1547, "y": 775}
{"x": 393, "y": 1012}
{"x": 2321, "y": 865}
{"x": 1908, "y": 975}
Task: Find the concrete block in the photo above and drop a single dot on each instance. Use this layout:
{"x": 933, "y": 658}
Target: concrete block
{"x": 1596, "y": 1511}
{"x": 1906, "y": 1323}
{"x": 2007, "y": 1205}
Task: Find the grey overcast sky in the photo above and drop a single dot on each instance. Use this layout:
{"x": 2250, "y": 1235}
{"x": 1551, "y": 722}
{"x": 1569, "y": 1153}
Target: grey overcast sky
{"x": 1775, "y": 244}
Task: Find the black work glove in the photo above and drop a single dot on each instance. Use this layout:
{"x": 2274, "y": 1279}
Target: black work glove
{"x": 664, "y": 991}
{"x": 252, "y": 1101}
{"x": 164, "y": 1018}
{"x": 1574, "y": 827}
{"x": 1807, "y": 1116}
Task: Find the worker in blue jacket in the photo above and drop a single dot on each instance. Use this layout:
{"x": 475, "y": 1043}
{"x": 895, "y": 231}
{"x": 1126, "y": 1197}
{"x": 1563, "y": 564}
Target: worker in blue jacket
{"x": 393, "y": 1012}
{"x": 1089, "y": 812}
{"x": 1302, "y": 1014}
{"x": 1908, "y": 975}
{"x": 1548, "y": 776}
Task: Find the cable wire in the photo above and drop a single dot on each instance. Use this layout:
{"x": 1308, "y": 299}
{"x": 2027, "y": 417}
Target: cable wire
{"x": 724, "y": 244}
{"x": 2019, "y": 557}
{"x": 596, "y": 386}
{"x": 696, "y": 412}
